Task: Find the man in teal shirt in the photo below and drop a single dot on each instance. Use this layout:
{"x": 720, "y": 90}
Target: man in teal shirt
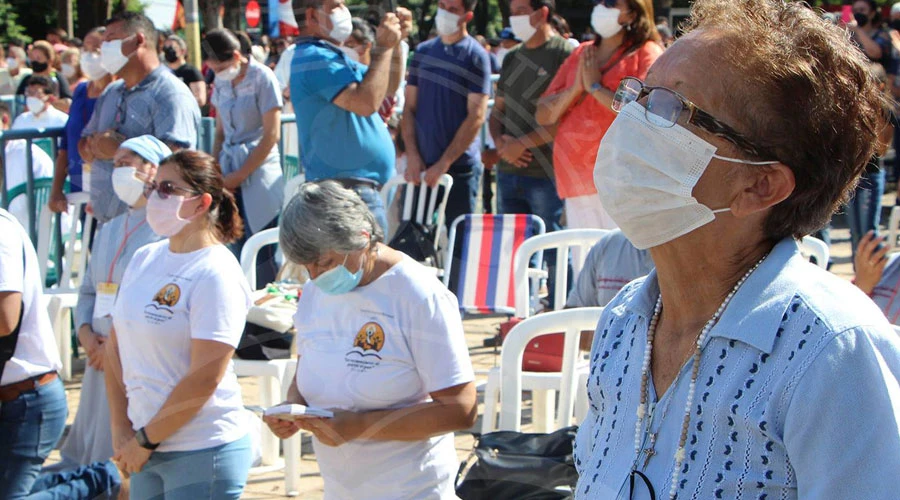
{"x": 336, "y": 101}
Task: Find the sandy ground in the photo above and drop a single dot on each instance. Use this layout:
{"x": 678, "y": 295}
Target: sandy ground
{"x": 270, "y": 484}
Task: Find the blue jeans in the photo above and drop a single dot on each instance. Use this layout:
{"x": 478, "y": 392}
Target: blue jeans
{"x": 30, "y": 426}
{"x": 520, "y": 194}
{"x": 372, "y": 199}
{"x": 864, "y": 208}
{"x": 219, "y": 472}
{"x": 96, "y": 481}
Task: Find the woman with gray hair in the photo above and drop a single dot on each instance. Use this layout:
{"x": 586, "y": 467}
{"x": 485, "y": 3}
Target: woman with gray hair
{"x": 737, "y": 369}
{"x": 380, "y": 341}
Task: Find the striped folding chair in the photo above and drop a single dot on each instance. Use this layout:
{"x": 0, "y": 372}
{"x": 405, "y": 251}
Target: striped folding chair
{"x": 484, "y": 283}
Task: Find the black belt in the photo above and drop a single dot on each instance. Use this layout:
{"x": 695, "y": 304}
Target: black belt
{"x": 354, "y": 183}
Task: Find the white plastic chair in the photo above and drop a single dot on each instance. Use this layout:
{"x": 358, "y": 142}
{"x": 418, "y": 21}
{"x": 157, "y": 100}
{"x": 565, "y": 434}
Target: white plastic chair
{"x": 274, "y": 375}
{"x": 542, "y": 384}
{"x": 75, "y": 256}
{"x": 562, "y": 241}
{"x": 814, "y": 247}
{"x": 570, "y": 321}
{"x": 430, "y": 204}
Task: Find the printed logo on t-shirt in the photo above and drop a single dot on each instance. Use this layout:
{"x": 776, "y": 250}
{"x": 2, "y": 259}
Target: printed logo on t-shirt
{"x": 366, "y": 345}
{"x": 159, "y": 310}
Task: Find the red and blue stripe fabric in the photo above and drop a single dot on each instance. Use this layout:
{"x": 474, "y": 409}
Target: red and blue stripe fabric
{"x": 486, "y": 270}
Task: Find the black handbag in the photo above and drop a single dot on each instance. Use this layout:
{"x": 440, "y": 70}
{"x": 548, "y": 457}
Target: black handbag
{"x": 513, "y": 465}
{"x": 415, "y": 240}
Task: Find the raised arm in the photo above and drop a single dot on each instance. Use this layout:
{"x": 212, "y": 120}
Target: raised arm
{"x": 364, "y": 98}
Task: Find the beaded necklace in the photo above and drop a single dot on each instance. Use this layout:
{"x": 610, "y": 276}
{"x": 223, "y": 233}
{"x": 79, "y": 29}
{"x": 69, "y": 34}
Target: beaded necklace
{"x": 644, "y": 404}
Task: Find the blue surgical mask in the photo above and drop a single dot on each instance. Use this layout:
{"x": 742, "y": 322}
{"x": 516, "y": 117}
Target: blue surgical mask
{"x": 339, "y": 280}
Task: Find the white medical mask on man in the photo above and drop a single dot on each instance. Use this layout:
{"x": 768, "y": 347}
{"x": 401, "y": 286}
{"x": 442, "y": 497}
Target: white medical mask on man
{"x": 12, "y": 63}
{"x": 521, "y": 27}
{"x": 645, "y": 175}
{"x": 605, "y": 20}
{"x": 111, "y": 56}
{"x": 351, "y": 53}
{"x": 341, "y": 24}
{"x": 446, "y": 23}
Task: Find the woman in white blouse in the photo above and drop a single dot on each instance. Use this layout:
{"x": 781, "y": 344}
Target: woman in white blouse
{"x": 380, "y": 341}
{"x": 178, "y": 422}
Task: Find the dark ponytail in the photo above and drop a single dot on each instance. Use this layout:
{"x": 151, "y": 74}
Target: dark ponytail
{"x": 203, "y": 173}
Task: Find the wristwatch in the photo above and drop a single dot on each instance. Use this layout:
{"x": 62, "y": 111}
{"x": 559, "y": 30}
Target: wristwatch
{"x": 596, "y": 87}
{"x": 141, "y": 436}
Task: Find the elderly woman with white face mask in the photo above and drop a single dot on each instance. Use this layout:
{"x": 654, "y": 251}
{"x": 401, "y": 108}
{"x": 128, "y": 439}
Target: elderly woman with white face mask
{"x": 380, "y": 341}
{"x": 738, "y": 369}
{"x": 89, "y": 439}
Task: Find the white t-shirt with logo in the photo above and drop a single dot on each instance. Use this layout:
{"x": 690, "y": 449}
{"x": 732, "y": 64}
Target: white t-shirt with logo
{"x": 36, "y": 351}
{"x": 382, "y": 346}
{"x": 165, "y": 301}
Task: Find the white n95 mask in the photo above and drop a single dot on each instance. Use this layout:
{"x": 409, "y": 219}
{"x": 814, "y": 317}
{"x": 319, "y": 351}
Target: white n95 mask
{"x": 645, "y": 174}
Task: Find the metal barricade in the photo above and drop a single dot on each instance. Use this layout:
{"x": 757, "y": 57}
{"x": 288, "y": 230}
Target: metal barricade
{"x": 206, "y": 136}
{"x": 29, "y": 136}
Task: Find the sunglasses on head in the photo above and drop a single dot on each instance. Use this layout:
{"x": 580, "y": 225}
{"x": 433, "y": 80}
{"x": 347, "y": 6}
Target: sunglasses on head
{"x": 606, "y": 3}
{"x": 166, "y": 188}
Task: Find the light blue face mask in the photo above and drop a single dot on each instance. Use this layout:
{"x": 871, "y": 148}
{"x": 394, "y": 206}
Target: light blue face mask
{"x": 339, "y": 280}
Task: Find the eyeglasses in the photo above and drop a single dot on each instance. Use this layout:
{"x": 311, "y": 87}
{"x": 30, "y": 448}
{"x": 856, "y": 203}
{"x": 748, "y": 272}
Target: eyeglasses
{"x": 166, "y": 189}
{"x": 606, "y": 3}
{"x": 665, "y": 106}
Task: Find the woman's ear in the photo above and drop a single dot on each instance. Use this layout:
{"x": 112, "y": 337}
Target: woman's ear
{"x": 769, "y": 186}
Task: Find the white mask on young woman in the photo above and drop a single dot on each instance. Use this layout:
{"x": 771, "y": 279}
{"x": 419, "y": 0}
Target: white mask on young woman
{"x": 126, "y": 185}
{"x": 91, "y": 66}
{"x": 645, "y": 175}
{"x": 605, "y": 21}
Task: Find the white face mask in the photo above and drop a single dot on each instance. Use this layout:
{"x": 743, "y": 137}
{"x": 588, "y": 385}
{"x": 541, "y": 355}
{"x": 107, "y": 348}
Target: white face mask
{"x": 126, "y": 185}
{"x": 164, "y": 215}
{"x": 12, "y": 63}
{"x": 446, "y": 23}
{"x": 90, "y": 65}
{"x": 521, "y": 26}
{"x": 350, "y": 53}
{"x": 68, "y": 71}
{"x": 111, "y": 56}
{"x": 605, "y": 21}
{"x": 645, "y": 175}
{"x": 228, "y": 74}
{"x": 341, "y": 24}
{"x": 35, "y": 104}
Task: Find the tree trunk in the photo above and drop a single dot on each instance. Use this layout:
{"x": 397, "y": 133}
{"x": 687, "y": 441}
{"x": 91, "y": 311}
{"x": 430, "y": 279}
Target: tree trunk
{"x": 481, "y": 18}
{"x": 504, "y": 13}
{"x": 209, "y": 14}
{"x": 233, "y": 14}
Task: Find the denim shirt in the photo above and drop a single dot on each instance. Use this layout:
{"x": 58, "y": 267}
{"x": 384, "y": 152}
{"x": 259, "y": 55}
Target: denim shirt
{"x": 161, "y": 105}
{"x": 797, "y": 394}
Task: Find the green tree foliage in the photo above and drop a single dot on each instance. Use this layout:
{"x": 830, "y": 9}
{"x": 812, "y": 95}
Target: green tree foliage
{"x": 10, "y": 29}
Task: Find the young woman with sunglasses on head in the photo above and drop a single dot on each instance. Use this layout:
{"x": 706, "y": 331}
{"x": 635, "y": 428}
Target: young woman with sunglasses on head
{"x": 177, "y": 418}
{"x": 579, "y": 97}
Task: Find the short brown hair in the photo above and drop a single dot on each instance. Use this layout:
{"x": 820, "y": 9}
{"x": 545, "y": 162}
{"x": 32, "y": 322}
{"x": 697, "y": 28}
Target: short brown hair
{"x": 203, "y": 173}
{"x": 803, "y": 93}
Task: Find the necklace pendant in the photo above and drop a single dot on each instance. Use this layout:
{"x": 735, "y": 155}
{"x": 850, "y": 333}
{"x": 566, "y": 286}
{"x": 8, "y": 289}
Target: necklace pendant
{"x": 648, "y": 454}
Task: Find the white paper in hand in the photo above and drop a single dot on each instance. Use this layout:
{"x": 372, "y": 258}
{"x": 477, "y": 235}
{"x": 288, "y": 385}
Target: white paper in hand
{"x": 297, "y": 412}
